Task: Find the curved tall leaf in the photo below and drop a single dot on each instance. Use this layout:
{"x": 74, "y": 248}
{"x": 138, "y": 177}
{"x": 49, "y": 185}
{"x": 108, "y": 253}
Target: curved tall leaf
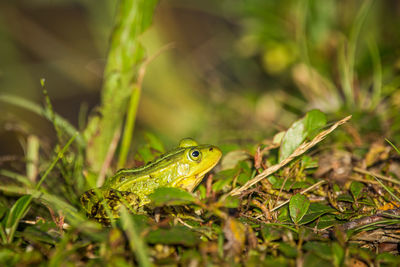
{"x": 124, "y": 59}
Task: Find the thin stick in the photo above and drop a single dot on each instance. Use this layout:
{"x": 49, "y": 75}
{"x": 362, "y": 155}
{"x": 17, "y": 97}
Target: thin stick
{"x": 109, "y": 156}
{"x": 389, "y": 179}
{"x": 363, "y": 180}
{"x": 302, "y": 192}
{"x": 300, "y": 150}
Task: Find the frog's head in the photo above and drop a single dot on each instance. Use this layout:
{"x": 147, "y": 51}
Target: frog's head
{"x": 196, "y": 161}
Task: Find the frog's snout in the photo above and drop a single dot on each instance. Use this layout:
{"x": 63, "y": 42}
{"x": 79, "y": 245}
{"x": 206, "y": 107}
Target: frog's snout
{"x": 215, "y": 153}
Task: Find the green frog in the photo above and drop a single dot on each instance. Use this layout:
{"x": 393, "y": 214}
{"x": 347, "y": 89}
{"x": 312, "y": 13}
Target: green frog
{"x": 183, "y": 167}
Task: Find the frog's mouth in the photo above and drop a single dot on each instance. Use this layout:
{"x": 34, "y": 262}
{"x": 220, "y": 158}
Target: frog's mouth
{"x": 212, "y": 155}
{"x": 189, "y": 183}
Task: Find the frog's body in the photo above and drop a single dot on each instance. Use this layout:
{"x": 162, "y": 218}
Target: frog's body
{"x": 183, "y": 167}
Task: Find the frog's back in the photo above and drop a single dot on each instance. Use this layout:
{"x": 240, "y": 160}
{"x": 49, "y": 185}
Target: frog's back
{"x": 125, "y": 178}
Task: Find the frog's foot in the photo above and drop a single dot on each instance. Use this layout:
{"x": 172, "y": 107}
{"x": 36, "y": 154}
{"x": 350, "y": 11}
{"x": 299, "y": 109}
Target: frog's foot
{"x": 103, "y": 204}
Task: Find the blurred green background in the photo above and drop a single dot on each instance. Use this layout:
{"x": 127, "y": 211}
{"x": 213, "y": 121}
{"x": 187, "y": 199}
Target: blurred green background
{"x": 238, "y": 71}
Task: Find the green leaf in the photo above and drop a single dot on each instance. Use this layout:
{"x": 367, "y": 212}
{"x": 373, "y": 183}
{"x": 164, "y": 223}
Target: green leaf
{"x": 136, "y": 243}
{"x": 338, "y": 254}
{"x": 299, "y": 131}
{"x": 288, "y": 250}
{"x": 17, "y": 212}
{"x": 315, "y": 210}
{"x": 178, "y": 235}
{"x": 388, "y": 190}
{"x": 321, "y": 249}
{"x": 271, "y": 233}
{"x": 327, "y": 221}
{"x": 345, "y": 198}
{"x": 145, "y": 154}
{"x": 298, "y": 207}
{"x": 171, "y": 196}
{"x": 39, "y": 110}
{"x": 154, "y": 142}
{"x": 312, "y": 260}
{"x": 124, "y": 59}
{"x": 356, "y": 189}
{"x": 231, "y": 202}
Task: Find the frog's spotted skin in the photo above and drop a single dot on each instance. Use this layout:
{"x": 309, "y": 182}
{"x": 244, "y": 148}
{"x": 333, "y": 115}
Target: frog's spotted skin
{"x": 183, "y": 167}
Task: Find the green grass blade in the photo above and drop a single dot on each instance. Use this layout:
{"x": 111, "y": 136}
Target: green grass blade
{"x": 387, "y": 189}
{"x": 59, "y": 156}
{"x": 37, "y": 109}
{"x": 21, "y": 206}
{"x": 16, "y": 176}
{"x": 136, "y": 243}
{"x": 377, "y": 76}
{"x": 129, "y": 126}
{"x": 394, "y": 147}
{"x": 351, "y": 51}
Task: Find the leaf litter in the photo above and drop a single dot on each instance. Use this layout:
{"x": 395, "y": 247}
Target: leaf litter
{"x": 266, "y": 207}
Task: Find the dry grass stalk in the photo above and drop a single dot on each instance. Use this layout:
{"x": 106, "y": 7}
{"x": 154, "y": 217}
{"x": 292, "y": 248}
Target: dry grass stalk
{"x": 300, "y": 150}
{"x": 382, "y": 177}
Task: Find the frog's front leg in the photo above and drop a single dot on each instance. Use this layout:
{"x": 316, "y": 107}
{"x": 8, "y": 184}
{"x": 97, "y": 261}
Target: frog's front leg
{"x": 101, "y": 203}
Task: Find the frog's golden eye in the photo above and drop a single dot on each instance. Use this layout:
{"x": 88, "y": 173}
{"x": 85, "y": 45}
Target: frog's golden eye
{"x": 195, "y": 154}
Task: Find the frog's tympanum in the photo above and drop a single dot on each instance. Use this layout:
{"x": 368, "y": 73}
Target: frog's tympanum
{"x": 183, "y": 167}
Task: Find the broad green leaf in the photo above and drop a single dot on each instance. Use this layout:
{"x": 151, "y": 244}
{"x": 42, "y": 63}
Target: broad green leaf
{"x": 145, "y": 154}
{"x": 154, "y": 142}
{"x": 222, "y": 185}
{"x": 299, "y": 131}
{"x": 35, "y": 235}
{"x": 321, "y": 249}
{"x": 18, "y": 210}
{"x": 232, "y": 158}
{"x": 327, "y": 221}
{"x": 178, "y": 235}
{"x": 284, "y": 214}
{"x": 298, "y": 207}
{"x": 171, "y": 196}
{"x": 386, "y": 257}
{"x": 231, "y": 202}
{"x": 287, "y": 250}
{"x": 338, "y": 254}
{"x": 315, "y": 210}
{"x": 312, "y": 260}
{"x": 345, "y": 198}
{"x": 356, "y": 189}
{"x": 308, "y": 162}
{"x": 277, "y": 184}
{"x": 271, "y": 233}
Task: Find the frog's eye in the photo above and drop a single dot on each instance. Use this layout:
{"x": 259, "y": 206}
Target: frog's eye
{"x": 195, "y": 154}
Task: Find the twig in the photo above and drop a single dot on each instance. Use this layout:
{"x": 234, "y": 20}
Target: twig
{"x": 389, "y": 179}
{"x": 369, "y": 219}
{"x": 363, "y": 180}
{"x": 300, "y": 150}
{"x": 109, "y": 156}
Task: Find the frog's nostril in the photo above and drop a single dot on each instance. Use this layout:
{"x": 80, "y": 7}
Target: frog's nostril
{"x": 211, "y": 149}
